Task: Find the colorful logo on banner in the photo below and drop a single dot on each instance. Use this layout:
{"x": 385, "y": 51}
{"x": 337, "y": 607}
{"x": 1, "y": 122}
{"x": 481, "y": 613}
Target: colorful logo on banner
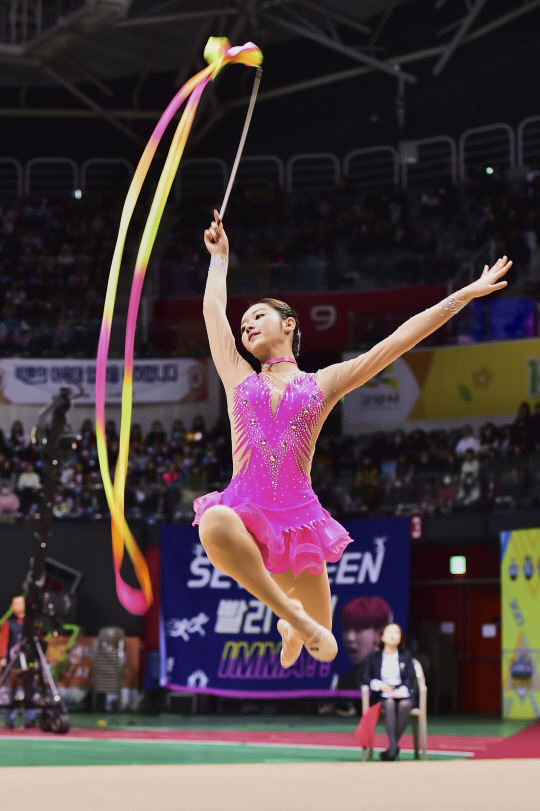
{"x": 520, "y": 595}
{"x": 216, "y": 638}
{"x": 459, "y": 381}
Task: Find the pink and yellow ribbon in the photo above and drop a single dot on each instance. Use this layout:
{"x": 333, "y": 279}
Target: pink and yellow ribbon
{"x": 217, "y": 53}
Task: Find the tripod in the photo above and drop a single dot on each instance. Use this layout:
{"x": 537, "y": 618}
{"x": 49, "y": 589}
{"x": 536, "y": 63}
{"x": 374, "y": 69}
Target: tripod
{"x": 27, "y": 656}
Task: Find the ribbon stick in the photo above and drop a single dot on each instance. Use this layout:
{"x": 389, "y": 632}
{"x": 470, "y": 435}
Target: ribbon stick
{"x": 236, "y": 163}
{"x": 217, "y": 53}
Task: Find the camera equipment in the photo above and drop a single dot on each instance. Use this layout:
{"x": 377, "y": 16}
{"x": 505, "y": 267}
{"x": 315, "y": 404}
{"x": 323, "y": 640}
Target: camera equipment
{"x": 57, "y": 586}
{"x": 51, "y": 586}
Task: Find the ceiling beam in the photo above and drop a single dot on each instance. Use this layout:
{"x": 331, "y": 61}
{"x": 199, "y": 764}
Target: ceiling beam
{"x": 401, "y": 59}
{"x": 181, "y": 16}
{"x": 346, "y": 19}
{"x": 323, "y": 39}
{"x": 466, "y": 23}
{"x": 78, "y": 112}
{"x": 150, "y": 11}
{"x": 286, "y": 90}
{"x": 382, "y": 22}
{"x": 504, "y": 19}
{"x": 106, "y": 114}
{"x": 87, "y": 75}
{"x": 303, "y": 21}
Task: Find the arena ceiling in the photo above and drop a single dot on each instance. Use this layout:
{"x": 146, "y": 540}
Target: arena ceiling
{"x": 85, "y": 45}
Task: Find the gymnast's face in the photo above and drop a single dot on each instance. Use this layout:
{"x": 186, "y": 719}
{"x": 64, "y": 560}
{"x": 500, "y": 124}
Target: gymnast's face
{"x": 265, "y": 334}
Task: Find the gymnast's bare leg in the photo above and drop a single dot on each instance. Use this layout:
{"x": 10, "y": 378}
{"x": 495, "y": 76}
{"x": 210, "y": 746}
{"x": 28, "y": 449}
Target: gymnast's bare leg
{"x": 313, "y": 592}
{"x": 232, "y": 550}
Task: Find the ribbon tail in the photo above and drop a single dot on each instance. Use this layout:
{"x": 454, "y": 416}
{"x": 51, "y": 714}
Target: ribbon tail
{"x": 130, "y": 597}
{"x": 134, "y": 600}
{"x": 218, "y": 53}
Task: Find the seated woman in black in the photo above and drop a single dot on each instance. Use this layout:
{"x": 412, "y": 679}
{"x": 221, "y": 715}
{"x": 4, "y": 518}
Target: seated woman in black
{"x": 390, "y": 675}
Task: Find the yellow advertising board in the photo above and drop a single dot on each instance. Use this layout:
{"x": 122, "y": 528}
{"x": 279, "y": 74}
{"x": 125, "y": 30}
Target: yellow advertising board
{"x": 458, "y": 381}
{"x": 520, "y": 600}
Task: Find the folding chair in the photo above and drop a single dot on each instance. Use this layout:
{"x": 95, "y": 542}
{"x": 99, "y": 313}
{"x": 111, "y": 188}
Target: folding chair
{"x": 418, "y": 716}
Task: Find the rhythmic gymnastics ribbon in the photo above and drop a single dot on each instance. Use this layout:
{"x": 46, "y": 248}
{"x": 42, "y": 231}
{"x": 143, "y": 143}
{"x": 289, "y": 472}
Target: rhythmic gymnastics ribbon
{"x": 218, "y": 53}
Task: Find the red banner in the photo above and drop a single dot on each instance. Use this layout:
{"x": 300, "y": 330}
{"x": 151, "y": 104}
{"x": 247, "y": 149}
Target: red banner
{"x": 324, "y": 317}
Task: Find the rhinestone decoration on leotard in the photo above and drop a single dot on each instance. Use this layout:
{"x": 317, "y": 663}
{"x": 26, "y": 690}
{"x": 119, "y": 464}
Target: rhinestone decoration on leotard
{"x": 272, "y": 438}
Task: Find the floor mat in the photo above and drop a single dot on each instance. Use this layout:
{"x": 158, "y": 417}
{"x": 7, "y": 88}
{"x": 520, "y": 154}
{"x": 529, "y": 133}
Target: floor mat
{"x": 445, "y": 786}
{"x": 524, "y": 744}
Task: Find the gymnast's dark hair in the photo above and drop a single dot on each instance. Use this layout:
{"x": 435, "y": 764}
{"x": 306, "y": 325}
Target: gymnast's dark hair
{"x": 285, "y": 312}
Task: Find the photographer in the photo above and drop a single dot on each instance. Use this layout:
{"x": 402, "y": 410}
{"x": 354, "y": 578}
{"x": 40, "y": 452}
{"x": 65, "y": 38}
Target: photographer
{"x": 10, "y": 635}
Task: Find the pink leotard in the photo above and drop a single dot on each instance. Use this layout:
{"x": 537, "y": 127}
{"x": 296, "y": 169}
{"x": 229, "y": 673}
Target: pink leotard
{"x": 275, "y": 423}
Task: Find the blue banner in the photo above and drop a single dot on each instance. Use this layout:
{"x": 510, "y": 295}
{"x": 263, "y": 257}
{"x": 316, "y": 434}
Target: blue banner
{"x": 216, "y": 638}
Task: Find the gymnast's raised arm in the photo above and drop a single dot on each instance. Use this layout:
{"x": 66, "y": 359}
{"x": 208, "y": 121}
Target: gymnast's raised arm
{"x": 340, "y": 378}
{"x": 230, "y": 365}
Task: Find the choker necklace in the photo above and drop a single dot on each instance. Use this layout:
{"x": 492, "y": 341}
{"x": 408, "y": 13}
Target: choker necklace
{"x": 268, "y": 363}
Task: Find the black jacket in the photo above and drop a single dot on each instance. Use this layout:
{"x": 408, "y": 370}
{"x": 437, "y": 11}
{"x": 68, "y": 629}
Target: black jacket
{"x": 373, "y": 667}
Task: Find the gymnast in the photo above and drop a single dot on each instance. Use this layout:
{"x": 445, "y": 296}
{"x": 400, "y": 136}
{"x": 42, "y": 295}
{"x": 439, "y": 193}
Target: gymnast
{"x": 267, "y": 529}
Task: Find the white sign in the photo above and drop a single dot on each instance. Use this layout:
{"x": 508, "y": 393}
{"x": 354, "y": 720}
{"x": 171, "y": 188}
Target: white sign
{"x": 388, "y": 397}
{"x": 35, "y": 381}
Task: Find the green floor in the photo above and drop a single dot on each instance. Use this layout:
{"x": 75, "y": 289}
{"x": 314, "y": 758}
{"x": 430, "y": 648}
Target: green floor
{"x": 70, "y": 751}
{"x": 438, "y": 725}
{"x": 57, "y": 752}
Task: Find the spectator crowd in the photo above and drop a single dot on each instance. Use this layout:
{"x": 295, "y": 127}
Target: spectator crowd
{"x": 354, "y": 237}
{"x": 166, "y": 472}
{"x": 55, "y": 253}
{"x": 435, "y": 472}
{"x": 55, "y": 256}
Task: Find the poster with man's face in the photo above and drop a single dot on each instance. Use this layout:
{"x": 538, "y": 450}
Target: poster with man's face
{"x": 362, "y": 621}
{"x": 216, "y": 638}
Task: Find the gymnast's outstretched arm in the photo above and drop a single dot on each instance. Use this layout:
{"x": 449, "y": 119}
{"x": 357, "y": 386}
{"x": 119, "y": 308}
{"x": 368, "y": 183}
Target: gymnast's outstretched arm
{"x": 230, "y": 365}
{"x": 340, "y": 378}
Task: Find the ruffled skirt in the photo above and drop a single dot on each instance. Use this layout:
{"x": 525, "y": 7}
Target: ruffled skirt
{"x": 285, "y": 545}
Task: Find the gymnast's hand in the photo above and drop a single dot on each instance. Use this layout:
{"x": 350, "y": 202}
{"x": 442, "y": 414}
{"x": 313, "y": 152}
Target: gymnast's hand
{"x": 490, "y": 280}
{"x": 215, "y": 237}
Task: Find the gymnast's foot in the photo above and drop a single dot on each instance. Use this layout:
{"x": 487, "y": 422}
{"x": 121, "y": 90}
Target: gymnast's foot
{"x": 292, "y": 643}
{"x": 322, "y": 645}
{"x": 318, "y": 640}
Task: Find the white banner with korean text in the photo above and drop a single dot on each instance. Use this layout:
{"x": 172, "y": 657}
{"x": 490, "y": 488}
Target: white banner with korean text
{"x": 155, "y": 380}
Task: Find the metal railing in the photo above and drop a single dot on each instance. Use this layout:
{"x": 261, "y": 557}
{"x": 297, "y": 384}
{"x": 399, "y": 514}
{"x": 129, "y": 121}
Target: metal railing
{"x": 261, "y": 170}
{"x": 106, "y": 175}
{"x": 436, "y": 158}
{"x": 494, "y": 144}
{"x": 201, "y": 177}
{"x": 11, "y": 176}
{"x": 382, "y": 166}
{"x": 374, "y": 166}
{"x": 528, "y": 140}
{"x": 313, "y": 171}
{"x": 49, "y": 175}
